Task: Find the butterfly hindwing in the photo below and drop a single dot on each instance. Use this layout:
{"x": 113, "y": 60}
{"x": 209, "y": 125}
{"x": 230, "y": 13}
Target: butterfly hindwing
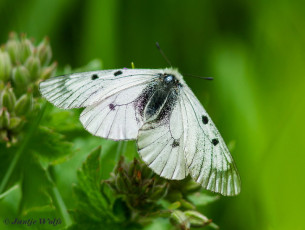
{"x": 207, "y": 156}
{"x": 161, "y": 141}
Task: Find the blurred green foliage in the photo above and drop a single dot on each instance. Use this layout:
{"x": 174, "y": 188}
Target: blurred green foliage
{"x": 254, "y": 51}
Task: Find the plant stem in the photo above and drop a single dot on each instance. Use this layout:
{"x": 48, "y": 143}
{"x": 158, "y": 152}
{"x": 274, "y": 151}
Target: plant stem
{"x": 120, "y": 150}
{"x": 59, "y": 200}
{"x": 23, "y": 145}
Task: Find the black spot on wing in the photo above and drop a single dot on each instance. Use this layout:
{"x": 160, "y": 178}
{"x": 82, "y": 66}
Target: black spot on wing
{"x": 94, "y": 76}
{"x": 175, "y": 144}
{"x": 215, "y": 141}
{"x": 111, "y": 106}
{"x": 205, "y": 119}
{"x": 117, "y": 73}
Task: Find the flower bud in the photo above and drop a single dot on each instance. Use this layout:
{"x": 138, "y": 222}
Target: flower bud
{"x": 132, "y": 167}
{"x": 180, "y": 219}
{"x": 21, "y": 77}
{"x": 13, "y": 48}
{"x": 159, "y": 192}
{"x": 15, "y": 123}
{"x": 187, "y": 205}
{"x": 197, "y": 219}
{"x": 120, "y": 183}
{"x": 26, "y": 49}
{"x": 147, "y": 185}
{"x": 174, "y": 205}
{"x": 5, "y": 66}
{"x": 4, "y": 118}
{"x": 44, "y": 52}
{"x": 33, "y": 66}
{"x": 48, "y": 71}
{"x": 3, "y": 135}
{"x": 1, "y": 120}
{"x": 24, "y": 104}
{"x": 8, "y": 99}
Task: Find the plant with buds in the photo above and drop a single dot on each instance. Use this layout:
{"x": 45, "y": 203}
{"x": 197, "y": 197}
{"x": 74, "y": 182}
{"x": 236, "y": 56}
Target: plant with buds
{"x": 22, "y": 66}
{"x": 134, "y": 197}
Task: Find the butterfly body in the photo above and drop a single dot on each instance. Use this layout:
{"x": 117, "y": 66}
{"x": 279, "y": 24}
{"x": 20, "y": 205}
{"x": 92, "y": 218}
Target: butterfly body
{"x": 175, "y": 136}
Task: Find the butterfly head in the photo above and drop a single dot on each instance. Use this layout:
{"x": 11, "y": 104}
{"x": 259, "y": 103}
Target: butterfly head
{"x": 171, "y": 78}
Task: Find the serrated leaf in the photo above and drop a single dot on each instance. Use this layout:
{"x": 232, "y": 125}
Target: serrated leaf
{"x": 50, "y": 146}
{"x": 88, "y": 190}
{"x": 120, "y": 209}
{"x": 63, "y": 121}
{"x": 35, "y": 187}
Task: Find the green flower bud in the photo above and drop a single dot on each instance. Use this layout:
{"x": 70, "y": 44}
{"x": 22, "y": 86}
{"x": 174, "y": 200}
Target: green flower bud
{"x": 1, "y": 116}
{"x": 126, "y": 179}
{"x": 13, "y": 48}
{"x": 5, "y": 66}
{"x": 174, "y": 205}
{"x": 159, "y": 192}
{"x": 180, "y": 219}
{"x": 146, "y": 187}
{"x": 132, "y": 167}
{"x": 15, "y": 123}
{"x": 187, "y": 205}
{"x": 48, "y": 71}
{"x": 24, "y": 104}
{"x": 13, "y": 140}
{"x": 26, "y": 49}
{"x": 8, "y": 99}
{"x": 33, "y": 66}
{"x": 44, "y": 52}
{"x": 3, "y": 135}
{"x": 4, "y": 118}
{"x": 197, "y": 219}
{"x": 120, "y": 183}
{"x": 21, "y": 78}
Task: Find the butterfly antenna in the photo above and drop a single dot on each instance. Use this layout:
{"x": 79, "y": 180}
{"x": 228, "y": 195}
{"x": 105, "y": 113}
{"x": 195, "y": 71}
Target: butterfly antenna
{"x": 163, "y": 54}
{"x": 205, "y": 78}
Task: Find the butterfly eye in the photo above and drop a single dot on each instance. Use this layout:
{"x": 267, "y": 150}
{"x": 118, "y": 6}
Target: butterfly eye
{"x": 168, "y": 78}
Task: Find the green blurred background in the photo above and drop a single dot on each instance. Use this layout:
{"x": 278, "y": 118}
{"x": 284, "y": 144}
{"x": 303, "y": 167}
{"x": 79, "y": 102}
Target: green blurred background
{"x": 255, "y": 50}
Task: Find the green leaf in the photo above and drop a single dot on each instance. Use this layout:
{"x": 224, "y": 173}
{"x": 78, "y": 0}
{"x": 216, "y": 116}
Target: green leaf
{"x": 90, "y": 199}
{"x": 95, "y": 208}
{"x": 63, "y": 121}
{"x": 201, "y": 199}
{"x": 50, "y": 146}
{"x": 120, "y": 209}
{"x": 36, "y": 188}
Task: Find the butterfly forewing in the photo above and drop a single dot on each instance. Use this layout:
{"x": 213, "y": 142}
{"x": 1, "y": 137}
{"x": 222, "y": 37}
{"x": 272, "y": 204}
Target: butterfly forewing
{"x": 110, "y": 97}
{"x": 84, "y": 89}
{"x": 116, "y": 117}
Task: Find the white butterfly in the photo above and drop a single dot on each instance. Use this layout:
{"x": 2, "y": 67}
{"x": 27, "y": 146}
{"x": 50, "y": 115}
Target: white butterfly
{"x": 175, "y": 135}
